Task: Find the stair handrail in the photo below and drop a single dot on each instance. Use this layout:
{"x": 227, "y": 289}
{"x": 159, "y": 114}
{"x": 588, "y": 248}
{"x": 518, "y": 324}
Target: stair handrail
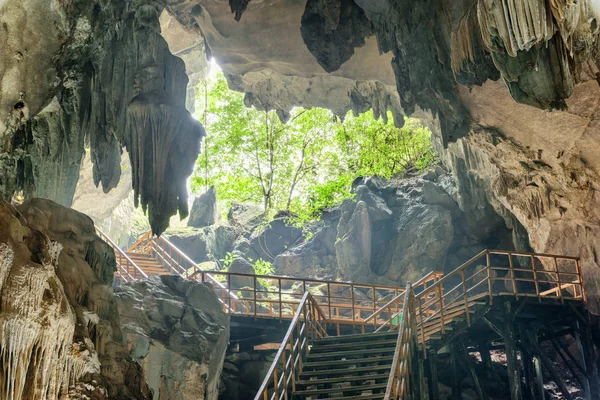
{"x": 121, "y": 254}
{"x": 398, "y": 386}
{"x": 432, "y": 276}
{"x": 194, "y": 264}
{"x": 145, "y": 237}
{"x": 294, "y": 349}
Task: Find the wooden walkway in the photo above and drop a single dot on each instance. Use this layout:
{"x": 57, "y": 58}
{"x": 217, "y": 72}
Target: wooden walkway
{"x": 262, "y": 296}
{"x": 424, "y": 316}
{"x": 433, "y": 316}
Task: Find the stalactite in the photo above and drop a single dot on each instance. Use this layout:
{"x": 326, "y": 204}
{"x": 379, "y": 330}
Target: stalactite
{"x": 37, "y": 326}
{"x": 163, "y": 143}
{"x": 514, "y": 24}
{"x": 464, "y": 42}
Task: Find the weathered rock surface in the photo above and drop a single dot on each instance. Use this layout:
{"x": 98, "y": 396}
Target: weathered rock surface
{"x": 177, "y": 331}
{"x": 273, "y": 239}
{"x": 243, "y": 373}
{"x": 98, "y": 71}
{"x": 114, "y": 213}
{"x": 205, "y": 210}
{"x": 62, "y": 272}
{"x": 539, "y": 167}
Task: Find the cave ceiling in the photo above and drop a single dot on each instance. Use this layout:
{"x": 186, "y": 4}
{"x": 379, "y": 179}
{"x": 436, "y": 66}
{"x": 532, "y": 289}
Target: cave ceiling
{"x": 110, "y": 75}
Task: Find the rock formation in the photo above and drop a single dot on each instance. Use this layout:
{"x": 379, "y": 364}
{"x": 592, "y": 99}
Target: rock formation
{"x": 64, "y": 332}
{"x": 205, "y": 209}
{"x": 390, "y": 233}
{"x": 58, "y": 308}
{"x": 102, "y": 73}
{"x": 177, "y": 330}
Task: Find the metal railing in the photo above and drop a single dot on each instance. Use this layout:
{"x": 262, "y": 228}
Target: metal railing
{"x": 309, "y": 323}
{"x": 401, "y": 378}
{"x": 271, "y": 295}
{"x": 489, "y": 274}
{"x": 392, "y": 309}
{"x": 127, "y": 269}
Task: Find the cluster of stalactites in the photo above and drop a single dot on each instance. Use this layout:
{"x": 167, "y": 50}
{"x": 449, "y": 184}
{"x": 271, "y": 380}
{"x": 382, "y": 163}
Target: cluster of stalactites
{"x": 511, "y": 26}
{"x": 163, "y": 144}
{"x": 36, "y": 328}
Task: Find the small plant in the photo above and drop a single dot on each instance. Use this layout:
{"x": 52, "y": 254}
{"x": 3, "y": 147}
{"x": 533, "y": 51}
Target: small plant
{"x": 262, "y": 267}
{"x": 228, "y": 260}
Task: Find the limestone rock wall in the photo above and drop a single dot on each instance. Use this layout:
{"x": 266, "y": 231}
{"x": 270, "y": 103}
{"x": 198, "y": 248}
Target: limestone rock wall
{"x": 540, "y": 167}
{"x": 65, "y": 333}
{"x": 99, "y": 72}
{"x": 177, "y": 330}
{"x": 37, "y": 323}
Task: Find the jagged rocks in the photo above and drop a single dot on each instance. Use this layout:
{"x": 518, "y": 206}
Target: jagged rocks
{"x": 210, "y": 243}
{"x": 178, "y": 332}
{"x": 273, "y": 239}
{"x": 205, "y": 211}
{"x": 245, "y": 216}
{"x": 65, "y": 288}
{"x": 97, "y": 73}
{"x": 332, "y": 29}
{"x": 37, "y": 323}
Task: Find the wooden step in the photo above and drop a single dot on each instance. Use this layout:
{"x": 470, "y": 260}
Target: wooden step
{"x": 346, "y": 371}
{"x": 140, "y": 256}
{"x": 365, "y": 397}
{"x": 349, "y": 353}
{"x": 333, "y": 363}
{"x": 349, "y": 389}
{"x": 359, "y": 337}
{"x": 328, "y": 347}
{"x": 329, "y": 381}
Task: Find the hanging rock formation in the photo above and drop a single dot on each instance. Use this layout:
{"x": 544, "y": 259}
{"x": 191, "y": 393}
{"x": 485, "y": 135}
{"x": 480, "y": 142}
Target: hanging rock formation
{"x": 100, "y": 72}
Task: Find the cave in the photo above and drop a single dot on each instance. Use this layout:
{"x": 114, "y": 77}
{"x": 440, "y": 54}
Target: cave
{"x": 99, "y": 106}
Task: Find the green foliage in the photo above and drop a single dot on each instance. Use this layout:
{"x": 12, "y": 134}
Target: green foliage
{"x": 228, "y": 260}
{"x": 305, "y": 165}
{"x": 262, "y": 267}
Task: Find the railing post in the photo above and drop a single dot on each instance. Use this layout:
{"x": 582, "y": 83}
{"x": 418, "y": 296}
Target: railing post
{"x": 441, "y": 309}
{"x": 512, "y": 274}
{"x": 580, "y": 273}
{"x": 466, "y": 298}
{"x": 284, "y": 361}
{"x": 329, "y": 298}
{"x": 489, "y": 269}
{"x": 535, "y": 278}
{"x": 558, "y": 281}
{"x": 280, "y": 301}
{"x": 228, "y": 288}
{"x": 255, "y": 303}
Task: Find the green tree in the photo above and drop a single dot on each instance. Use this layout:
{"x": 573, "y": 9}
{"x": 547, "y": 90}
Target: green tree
{"x": 305, "y": 165}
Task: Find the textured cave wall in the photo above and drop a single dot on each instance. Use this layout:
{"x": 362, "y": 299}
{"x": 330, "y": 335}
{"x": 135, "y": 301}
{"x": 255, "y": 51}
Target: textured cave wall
{"x": 59, "y": 322}
{"x": 99, "y": 73}
{"x": 264, "y": 56}
{"x": 539, "y": 167}
{"x": 85, "y": 268}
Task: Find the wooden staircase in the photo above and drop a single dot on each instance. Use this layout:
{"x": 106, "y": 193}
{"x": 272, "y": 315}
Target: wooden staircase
{"x": 356, "y": 366}
{"x": 422, "y": 320}
{"x": 148, "y": 264}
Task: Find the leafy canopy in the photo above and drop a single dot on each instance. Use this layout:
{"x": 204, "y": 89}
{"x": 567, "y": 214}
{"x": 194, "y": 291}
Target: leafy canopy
{"x": 305, "y": 165}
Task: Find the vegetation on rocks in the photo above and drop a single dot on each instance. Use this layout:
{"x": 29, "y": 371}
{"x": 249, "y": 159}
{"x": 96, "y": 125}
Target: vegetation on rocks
{"x": 302, "y": 166}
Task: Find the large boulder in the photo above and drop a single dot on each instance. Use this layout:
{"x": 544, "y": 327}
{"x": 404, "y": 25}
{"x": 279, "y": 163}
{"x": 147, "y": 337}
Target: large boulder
{"x": 206, "y": 244}
{"x": 205, "y": 210}
{"x": 271, "y": 240}
{"x": 313, "y": 257}
{"x": 178, "y": 332}
{"x": 245, "y": 216}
